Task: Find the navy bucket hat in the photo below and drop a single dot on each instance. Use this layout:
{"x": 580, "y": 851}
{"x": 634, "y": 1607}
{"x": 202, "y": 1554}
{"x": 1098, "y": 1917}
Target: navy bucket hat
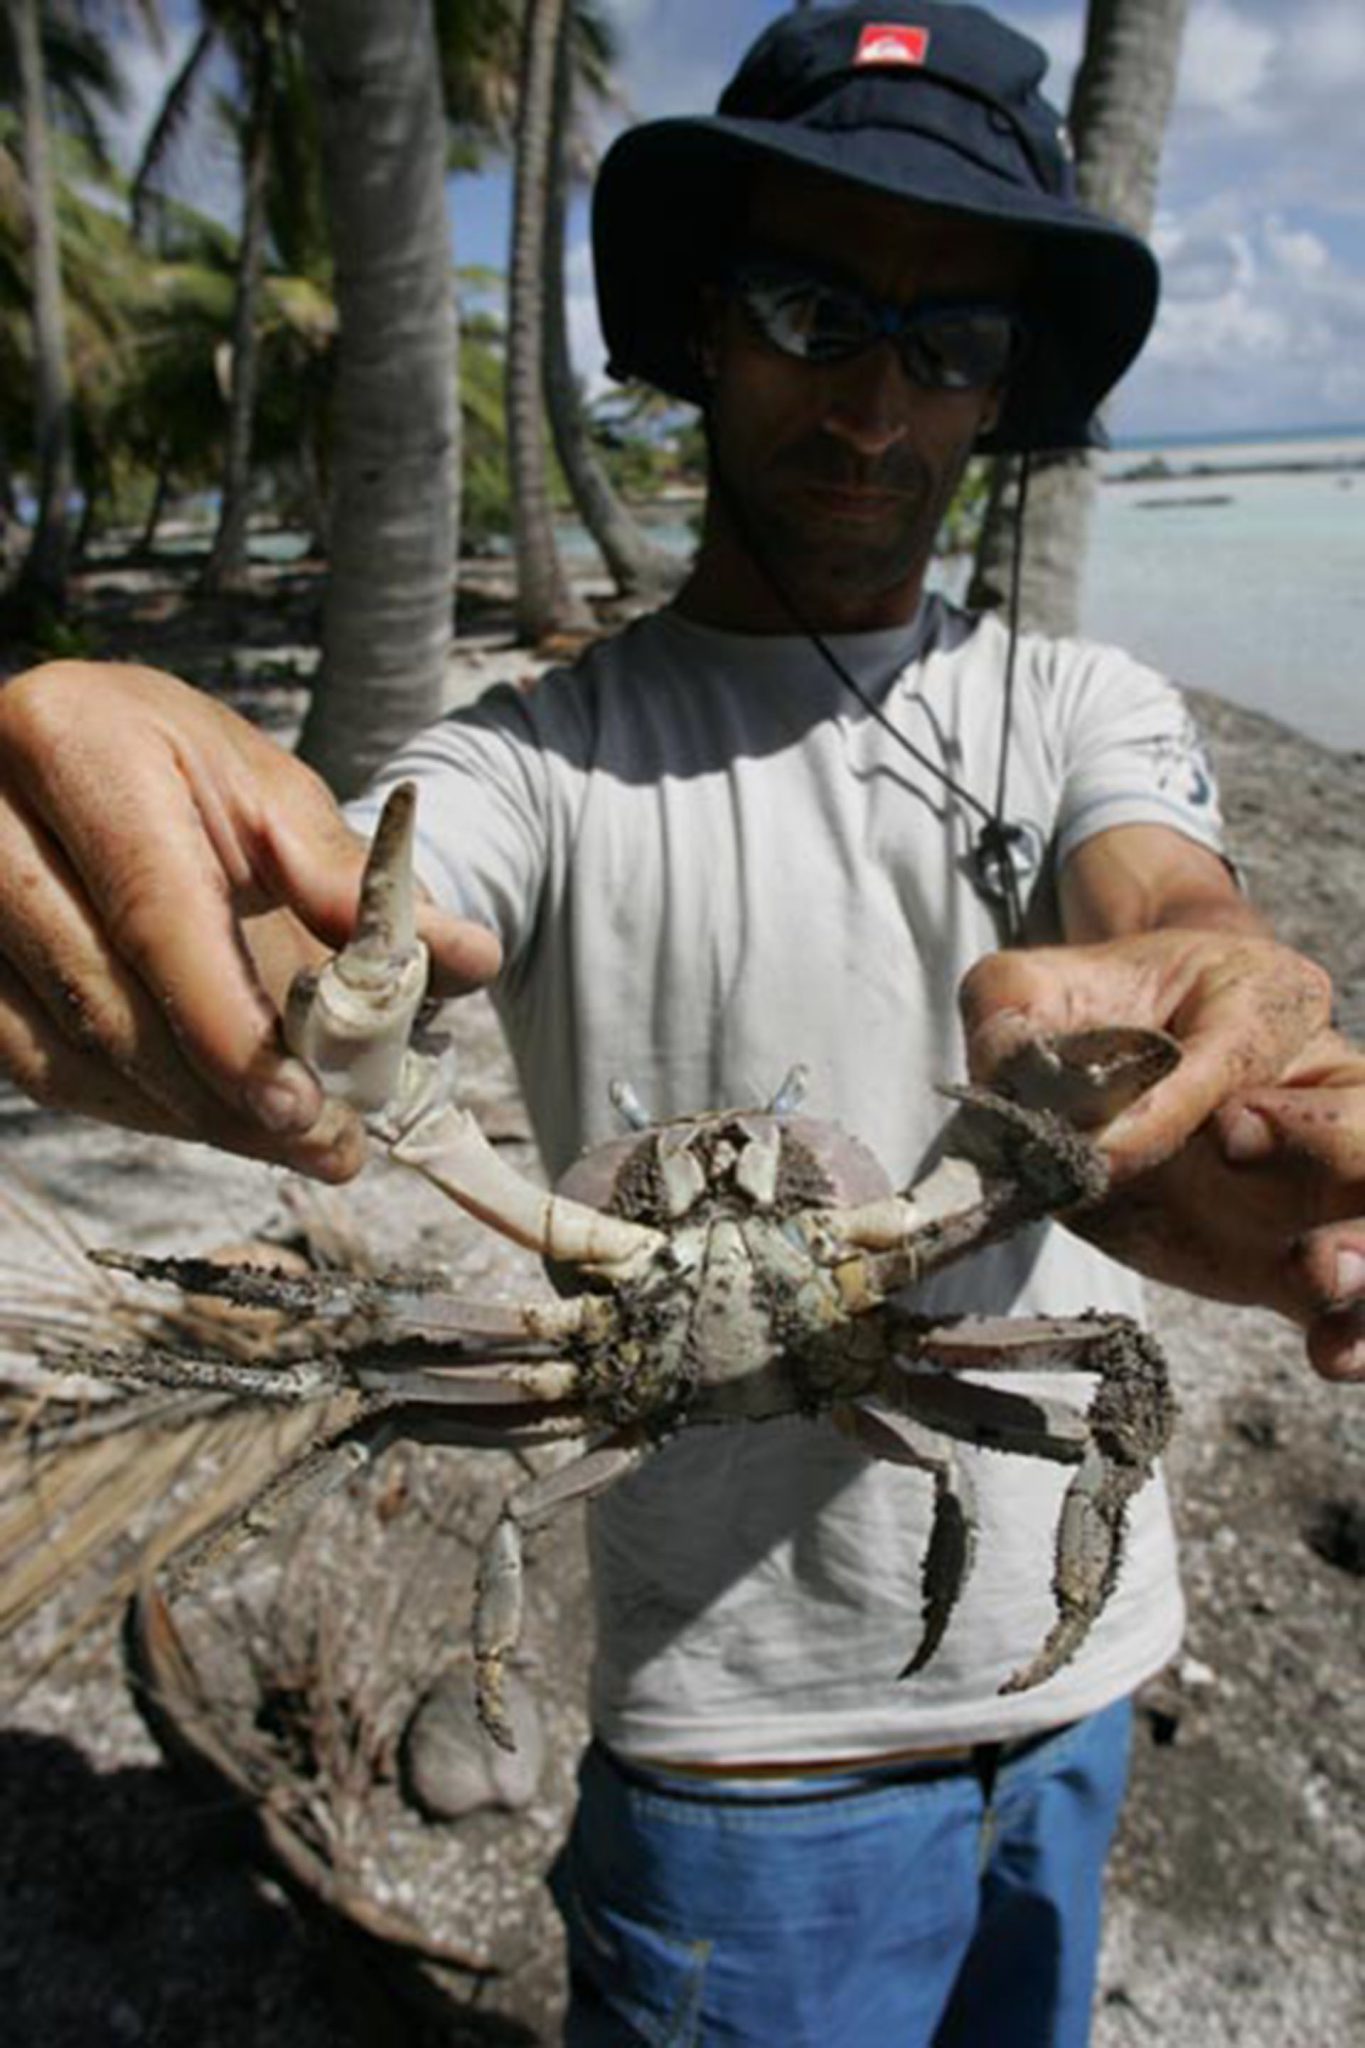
{"x": 936, "y": 103}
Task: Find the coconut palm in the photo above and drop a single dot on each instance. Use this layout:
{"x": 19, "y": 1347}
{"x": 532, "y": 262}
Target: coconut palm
{"x": 546, "y": 602}
{"x": 57, "y": 68}
{"x": 46, "y": 566}
{"x": 392, "y": 532}
{"x": 394, "y": 521}
{"x": 638, "y": 568}
{"x": 164, "y": 415}
{"x": 1120, "y": 105}
{"x": 256, "y": 37}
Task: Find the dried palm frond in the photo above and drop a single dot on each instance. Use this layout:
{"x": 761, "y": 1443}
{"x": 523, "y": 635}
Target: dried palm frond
{"x": 98, "y": 1482}
{"x": 294, "y": 1810}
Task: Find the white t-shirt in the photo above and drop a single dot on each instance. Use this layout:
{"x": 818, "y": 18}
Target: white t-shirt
{"x": 706, "y": 862}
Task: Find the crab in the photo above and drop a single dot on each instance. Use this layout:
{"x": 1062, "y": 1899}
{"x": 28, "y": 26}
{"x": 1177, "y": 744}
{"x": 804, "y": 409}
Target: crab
{"x": 722, "y": 1268}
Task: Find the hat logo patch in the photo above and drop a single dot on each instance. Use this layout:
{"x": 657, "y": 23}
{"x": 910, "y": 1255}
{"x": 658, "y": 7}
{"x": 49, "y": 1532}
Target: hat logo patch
{"x": 889, "y": 42}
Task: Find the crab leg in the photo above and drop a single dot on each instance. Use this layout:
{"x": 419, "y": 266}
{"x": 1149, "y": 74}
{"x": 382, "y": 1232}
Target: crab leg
{"x": 1114, "y": 1444}
{"x": 1009, "y": 1158}
{"x": 297, "y": 1385}
{"x": 1130, "y": 1421}
{"x": 355, "y": 1310}
{"x": 498, "y": 1594}
{"x": 287, "y": 1496}
{"x": 447, "y": 1148}
{"x": 438, "y": 1385}
{"x": 351, "y": 1021}
{"x": 1029, "y": 1424}
{"x": 1006, "y": 1343}
{"x": 1010, "y": 1166}
{"x": 885, "y": 1431}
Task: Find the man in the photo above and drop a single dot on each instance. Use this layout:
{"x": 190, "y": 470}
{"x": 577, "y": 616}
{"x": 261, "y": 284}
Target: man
{"x": 781, "y": 820}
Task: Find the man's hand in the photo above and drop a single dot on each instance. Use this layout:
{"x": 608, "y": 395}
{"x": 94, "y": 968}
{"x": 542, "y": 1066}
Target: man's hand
{"x": 1308, "y": 1133}
{"x": 1242, "y": 1007}
{"x": 164, "y": 871}
{"x": 1242, "y": 1175}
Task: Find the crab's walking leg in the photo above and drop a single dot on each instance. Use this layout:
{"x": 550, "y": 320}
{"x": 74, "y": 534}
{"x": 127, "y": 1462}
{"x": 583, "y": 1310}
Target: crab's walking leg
{"x": 1130, "y": 1421}
{"x": 291, "y": 1386}
{"x": 885, "y": 1431}
{"x": 498, "y": 1590}
{"x": 1114, "y": 1444}
{"x": 346, "y": 1315}
{"x": 335, "y": 1457}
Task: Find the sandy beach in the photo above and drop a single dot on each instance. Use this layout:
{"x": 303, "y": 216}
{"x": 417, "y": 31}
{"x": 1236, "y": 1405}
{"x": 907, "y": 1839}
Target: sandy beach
{"x": 128, "y": 1914}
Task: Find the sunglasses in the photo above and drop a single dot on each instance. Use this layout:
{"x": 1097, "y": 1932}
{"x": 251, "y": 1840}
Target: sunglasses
{"x": 943, "y": 345}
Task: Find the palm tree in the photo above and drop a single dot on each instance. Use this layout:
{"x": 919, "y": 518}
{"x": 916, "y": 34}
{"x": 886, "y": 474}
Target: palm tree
{"x": 392, "y": 533}
{"x": 158, "y": 411}
{"x": 256, "y": 35}
{"x": 637, "y": 567}
{"x": 1120, "y": 105}
{"x": 45, "y": 570}
{"x": 56, "y": 64}
{"x": 546, "y": 602}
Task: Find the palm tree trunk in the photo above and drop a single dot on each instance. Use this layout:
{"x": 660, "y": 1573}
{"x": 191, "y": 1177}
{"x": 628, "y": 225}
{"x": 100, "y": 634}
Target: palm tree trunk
{"x": 637, "y": 567}
{"x": 393, "y": 522}
{"x": 146, "y": 540}
{"x": 1120, "y": 104}
{"x": 546, "y": 602}
{"x": 227, "y": 564}
{"x": 44, "y": 574}
{"x": 92, "y": 486}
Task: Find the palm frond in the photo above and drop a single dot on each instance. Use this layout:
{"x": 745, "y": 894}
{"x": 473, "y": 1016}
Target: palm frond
{"x": 172, "y": 117}
{"x": 98, "y": 1485}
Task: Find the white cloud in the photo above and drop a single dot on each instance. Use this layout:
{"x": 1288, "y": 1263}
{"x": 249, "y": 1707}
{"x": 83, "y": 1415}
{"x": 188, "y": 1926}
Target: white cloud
{"x": 1201, "y": 264}
{"x": 1225, "y": 61}
{"x": 1260, "y": 323}
{"x": 1061, "y": 33}
{"x": 1324, "y": 48}
{"x": 1297, "y": 252}
{"x": 1292, "y": 75}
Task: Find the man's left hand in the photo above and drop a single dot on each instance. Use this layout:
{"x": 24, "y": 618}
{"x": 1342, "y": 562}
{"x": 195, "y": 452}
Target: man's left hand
{"x": 1242, "y": 1175}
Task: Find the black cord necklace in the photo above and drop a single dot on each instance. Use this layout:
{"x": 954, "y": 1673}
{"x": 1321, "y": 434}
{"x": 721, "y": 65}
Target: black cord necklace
{"x": 993, "y": 866}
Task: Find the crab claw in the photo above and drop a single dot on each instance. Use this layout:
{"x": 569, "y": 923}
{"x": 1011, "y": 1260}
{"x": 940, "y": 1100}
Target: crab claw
{"x": 1012, "y": 1154}
{"x": 351, "y": 1019}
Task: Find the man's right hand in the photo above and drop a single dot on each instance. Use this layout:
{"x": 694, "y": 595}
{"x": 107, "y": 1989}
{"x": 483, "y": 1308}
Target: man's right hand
{"x": 165, "y": 869}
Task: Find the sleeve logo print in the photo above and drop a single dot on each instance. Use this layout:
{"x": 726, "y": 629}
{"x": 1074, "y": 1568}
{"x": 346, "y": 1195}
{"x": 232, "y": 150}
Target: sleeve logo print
{"x": 889, "y": 43}
{"x": 1181, "y": 766}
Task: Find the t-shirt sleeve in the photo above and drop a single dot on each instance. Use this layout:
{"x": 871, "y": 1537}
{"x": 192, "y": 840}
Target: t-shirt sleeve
{"x": 1131, "y": 752}
{"x": 483, "y": 820}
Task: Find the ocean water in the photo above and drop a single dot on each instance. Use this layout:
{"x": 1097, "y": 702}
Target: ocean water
{"x": 1248, "y": 584}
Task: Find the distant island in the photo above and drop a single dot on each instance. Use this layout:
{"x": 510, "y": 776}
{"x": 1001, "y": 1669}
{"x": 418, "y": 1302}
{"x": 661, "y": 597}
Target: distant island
{"x": 1152, "y": 469}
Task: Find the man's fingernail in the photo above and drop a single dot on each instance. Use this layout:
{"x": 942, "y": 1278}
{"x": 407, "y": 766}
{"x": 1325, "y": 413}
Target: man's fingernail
{"x": 995, "y": 1038}
{"x": 339, "y": 1160}
{"x": 1348, "y": 1282}
{"x": 285, "y": 1100}
{"x": 1247, "y": 1136}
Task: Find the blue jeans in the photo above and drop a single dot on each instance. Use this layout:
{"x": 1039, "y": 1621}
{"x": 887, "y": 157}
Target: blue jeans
{"x": 956, "y": 1905}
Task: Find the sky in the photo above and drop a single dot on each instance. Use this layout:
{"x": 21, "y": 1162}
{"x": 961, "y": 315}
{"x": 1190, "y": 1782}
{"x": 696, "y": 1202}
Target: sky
{"x": 1261, "y": 215}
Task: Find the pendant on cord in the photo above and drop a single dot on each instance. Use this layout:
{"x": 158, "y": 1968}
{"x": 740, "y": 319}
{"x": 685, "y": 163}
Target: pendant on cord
{"x": 1003, "y": 860}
